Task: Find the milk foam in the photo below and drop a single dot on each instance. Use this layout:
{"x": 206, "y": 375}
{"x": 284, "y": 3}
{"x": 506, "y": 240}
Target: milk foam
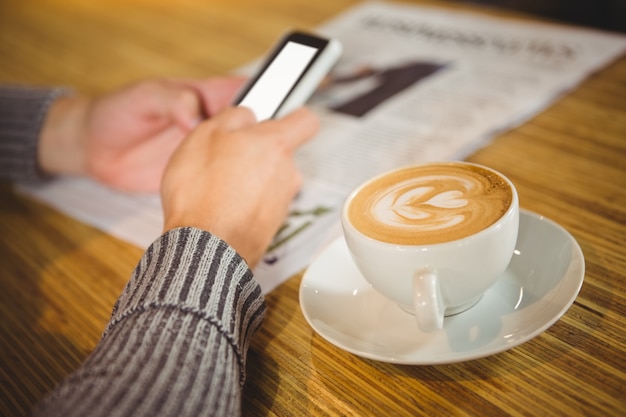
{"x": 418, "y": 205}
{"x": 430, "y": 204}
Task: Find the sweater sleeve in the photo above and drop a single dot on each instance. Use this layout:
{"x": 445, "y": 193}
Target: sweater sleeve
{"x": 22, "y": 113}
{"x": 177, "y": 340}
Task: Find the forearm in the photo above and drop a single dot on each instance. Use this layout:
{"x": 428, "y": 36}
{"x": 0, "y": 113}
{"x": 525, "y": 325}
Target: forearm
{"x": 178, "y": 337}
{"x": 23, "y": 112}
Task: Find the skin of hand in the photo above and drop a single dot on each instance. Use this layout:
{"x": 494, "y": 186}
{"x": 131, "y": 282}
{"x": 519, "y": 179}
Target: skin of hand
{"x": 124, "y": 139}
{"x": 236, "y": 178}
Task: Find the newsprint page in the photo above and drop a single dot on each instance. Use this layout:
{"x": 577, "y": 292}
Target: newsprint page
{"x": 414, "y": 85}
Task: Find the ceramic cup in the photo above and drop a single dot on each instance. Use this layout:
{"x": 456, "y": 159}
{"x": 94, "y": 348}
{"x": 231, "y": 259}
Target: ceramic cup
{"x": 433, "y": 237}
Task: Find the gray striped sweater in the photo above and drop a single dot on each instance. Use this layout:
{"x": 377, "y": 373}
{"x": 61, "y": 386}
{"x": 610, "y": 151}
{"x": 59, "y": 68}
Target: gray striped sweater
{"x": 178, "y": 336}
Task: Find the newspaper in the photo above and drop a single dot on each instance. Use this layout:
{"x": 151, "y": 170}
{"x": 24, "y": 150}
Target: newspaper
{"x": 414, "y": 84}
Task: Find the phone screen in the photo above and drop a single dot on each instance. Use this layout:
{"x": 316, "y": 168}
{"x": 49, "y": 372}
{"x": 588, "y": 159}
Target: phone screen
{"x": 278, "y": 79}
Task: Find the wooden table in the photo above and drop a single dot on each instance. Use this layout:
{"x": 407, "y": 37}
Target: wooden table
{"x": 60, "y": 278}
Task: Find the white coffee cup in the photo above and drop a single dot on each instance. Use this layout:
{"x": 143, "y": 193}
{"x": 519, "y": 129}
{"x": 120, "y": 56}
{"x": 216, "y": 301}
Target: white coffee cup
{"x": 433, "y": 237}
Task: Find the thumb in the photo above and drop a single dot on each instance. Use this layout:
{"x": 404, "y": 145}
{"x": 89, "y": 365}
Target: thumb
{"x": 185, "y": 108}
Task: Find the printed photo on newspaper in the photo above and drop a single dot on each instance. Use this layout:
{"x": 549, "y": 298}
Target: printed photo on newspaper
{"x": 414, "y": 84}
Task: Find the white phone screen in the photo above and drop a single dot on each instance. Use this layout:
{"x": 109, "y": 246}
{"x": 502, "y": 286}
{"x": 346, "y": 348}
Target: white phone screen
{"x": 278, "y": 79}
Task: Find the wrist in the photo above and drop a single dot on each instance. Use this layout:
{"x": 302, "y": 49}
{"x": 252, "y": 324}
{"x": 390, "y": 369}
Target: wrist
{"x": 61, "y": 146}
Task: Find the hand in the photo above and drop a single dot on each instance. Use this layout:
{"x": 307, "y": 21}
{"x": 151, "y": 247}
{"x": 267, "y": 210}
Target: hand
{"x": 236, "y": 178}
{"x": 124, "y": 139}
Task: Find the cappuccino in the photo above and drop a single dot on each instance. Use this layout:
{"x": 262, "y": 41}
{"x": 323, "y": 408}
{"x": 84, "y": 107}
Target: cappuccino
{"x": 429, "y": 204}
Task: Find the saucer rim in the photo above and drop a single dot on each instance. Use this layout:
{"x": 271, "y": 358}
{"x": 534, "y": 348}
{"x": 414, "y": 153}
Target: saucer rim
{"x": 577, "y": 279}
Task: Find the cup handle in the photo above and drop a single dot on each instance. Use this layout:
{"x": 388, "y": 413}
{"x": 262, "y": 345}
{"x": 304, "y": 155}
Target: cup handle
{"x": 427, "y": 300}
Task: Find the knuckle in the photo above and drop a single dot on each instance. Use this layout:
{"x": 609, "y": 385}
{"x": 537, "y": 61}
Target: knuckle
{"x": 187, "y": 98}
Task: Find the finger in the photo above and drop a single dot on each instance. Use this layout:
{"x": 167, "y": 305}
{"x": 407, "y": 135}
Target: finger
{"x": 232, "y": 118}
{"x": 215, "y": 93}
{"x": 185, "y": 107}
{"x": 297, "y": 128}
{"x": 167, "y": 103}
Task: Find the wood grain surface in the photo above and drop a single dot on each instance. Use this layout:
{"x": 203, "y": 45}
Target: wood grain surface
{"x": 60, "y": 278}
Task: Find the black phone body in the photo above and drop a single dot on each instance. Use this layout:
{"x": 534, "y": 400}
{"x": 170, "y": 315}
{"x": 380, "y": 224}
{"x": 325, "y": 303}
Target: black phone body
{"x": 289, "y": 76}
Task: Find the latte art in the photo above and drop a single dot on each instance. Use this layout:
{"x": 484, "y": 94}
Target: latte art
{"x": 430, "y": 203}
{"x": 419, "y": 204}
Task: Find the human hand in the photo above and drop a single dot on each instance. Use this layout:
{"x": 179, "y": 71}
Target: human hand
{"x": 124, "y": 139}
{"x": 236, "y": 178}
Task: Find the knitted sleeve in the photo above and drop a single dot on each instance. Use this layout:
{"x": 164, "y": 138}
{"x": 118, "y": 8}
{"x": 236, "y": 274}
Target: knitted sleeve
{"x": 177, "y": 340}
{"x": 22, "y": 113}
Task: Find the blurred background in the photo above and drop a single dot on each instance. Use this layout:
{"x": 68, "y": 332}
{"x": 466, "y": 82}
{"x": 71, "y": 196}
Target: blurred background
{"x": 601, "y": 14}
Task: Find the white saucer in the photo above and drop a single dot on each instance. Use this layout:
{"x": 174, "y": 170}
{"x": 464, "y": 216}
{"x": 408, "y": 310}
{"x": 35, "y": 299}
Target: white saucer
{"x": 538, "y": 287}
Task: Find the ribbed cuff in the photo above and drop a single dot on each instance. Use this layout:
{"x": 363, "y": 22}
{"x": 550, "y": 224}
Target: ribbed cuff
{"x": 177, "y": 340}
{"x": 196, "y": 273}
{"x": 22, "y": 114}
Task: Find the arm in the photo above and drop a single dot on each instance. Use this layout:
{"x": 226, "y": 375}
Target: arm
{"x": 22, "y": 115}
{"x": 178, "y": 336}
{"x": 177, "y": 340}
{"x": 122, "y": 139}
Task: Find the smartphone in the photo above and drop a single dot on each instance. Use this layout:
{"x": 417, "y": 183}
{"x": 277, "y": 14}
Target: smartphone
{"x": 290, "y": 75}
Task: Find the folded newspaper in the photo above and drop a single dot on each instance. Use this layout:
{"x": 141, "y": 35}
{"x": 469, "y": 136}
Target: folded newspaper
{"x": 414, "y": 84}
